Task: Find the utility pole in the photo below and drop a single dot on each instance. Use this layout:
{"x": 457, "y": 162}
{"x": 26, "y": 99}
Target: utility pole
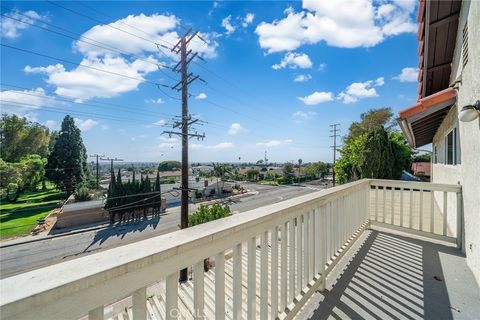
{"x": 334, "y": 136}
{"x": 97, "y": 156}
{"x": 186, "y": 56}
{"x": 111, "y": 161}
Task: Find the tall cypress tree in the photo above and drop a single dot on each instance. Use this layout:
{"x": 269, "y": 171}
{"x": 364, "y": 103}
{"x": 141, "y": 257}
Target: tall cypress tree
{"x": 377, "y": 160}
{"x": 67, "y": 163}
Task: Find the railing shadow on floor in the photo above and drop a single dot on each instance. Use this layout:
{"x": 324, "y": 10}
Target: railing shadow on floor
{"x": 388, "y": 277}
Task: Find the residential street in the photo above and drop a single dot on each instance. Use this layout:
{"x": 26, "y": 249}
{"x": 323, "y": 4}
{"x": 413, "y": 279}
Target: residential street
{"x": 28, "y": 256}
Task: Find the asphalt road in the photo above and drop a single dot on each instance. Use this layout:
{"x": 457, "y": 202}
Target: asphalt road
{"x": 28, "y": 256}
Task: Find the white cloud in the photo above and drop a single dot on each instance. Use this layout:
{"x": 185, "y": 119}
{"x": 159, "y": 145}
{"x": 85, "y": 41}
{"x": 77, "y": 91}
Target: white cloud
{"x": 248, "y": 19}
{"x": 274, "y": 143}
{"x": 51, "y": 124}
{"x": 360, "y": 90}
{"x": 236, "y": 128}
{"x": 301, "y": 115}
{"x": 20, "y": 101}
{"x": 408, "y": 75}
{"x": 228, "y": 25}
{"x": 155, "y": 101}
{"x": 201, "y": 96}
{"x": 346, "y": 24}
{"x": 294, "y": 60}
{"x": 105, "y": 127}
{"x": 85, "y": 125}
{"x": 10, "y": 28}
{"x": 83, "y": 83}
{"x": 316, "y": 98}
{"x": 221, "y": 145}
{"x": 302, "y": 78}
{"x": 159, "y": 122}
{"x": 379, "y": 81}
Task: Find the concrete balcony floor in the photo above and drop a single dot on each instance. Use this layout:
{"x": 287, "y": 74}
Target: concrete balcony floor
{"x": 385, "y": 276}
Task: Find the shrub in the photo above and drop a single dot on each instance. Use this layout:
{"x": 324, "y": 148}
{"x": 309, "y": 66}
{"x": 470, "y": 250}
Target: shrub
{"x": 208, "y": 213}
{"x": 83, "y": 194}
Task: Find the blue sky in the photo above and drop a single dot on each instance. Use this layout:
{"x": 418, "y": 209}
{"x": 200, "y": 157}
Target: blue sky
{"x": 278, "y": 73}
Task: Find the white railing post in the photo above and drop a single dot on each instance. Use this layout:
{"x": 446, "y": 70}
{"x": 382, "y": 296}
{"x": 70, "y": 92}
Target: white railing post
{"x": 323, "y": 247}
{"x": 139, "y": 299}
{"x": 299, "y": 253}
{"x": 318, "y": 235}
{"x": 410, "y": 212}
{"x": 198, "y": 291}
{"x": 376, "y": 203}
{"x": 252, "y": 278}
{"x": 291, "y": 260}
{"x": 459, "y": 222}
{"x": 264, "y": 277}
{"x": 421, "y": 211}
{"x": 432, "y": 211}
{"x": 171, "y": 296}
{"x": 283, "y": 267}
{"x": 392, "y": 217}
{"x": 305, "y": 250}
{"x": 445, "y": 208}
{"x": 96, "y": 314}
{"x": 220, "y": 286}
{"x": 384, "y": 198}
{"x": 274, "y": 274}
{"x": 237, "y": 282}
{"x": 401, "y": 207}
{"x": 311, "y": 251}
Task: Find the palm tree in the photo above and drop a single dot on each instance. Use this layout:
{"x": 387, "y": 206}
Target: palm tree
{"x": 299, "y": 166}
{"x": 220, "y": 170}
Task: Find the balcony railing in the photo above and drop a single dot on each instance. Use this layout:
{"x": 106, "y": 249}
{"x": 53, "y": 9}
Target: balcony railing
{"x": 266, "y": 262}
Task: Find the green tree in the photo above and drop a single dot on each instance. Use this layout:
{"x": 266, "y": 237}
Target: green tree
{"x": 377, "y": 159}
{"x": 11, "y": 180}
{"x": 370, "y": 120}
{"x": 402, "y": 154}
{"x": 20, "y": 138}
{"x": 169, "y": 165}
{"x": 67, "y": 163}
{"x": 288, "y": 173}
{"x": 34, "y": 173}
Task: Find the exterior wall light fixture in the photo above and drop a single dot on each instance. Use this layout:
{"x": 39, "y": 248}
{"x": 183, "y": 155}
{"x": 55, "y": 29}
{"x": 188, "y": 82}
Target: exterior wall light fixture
{"x": 469, "y": 112}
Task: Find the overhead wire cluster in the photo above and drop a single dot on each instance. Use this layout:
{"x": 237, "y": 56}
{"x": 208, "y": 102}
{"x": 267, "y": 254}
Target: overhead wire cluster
{"x": 157, "y": 43}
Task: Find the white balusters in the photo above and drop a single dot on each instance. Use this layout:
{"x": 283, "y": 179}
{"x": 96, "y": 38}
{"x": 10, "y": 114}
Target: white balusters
{"x": 283, "y": 267}
{"x": 219, "y": 286}
{"x": 401, "y": 207}
{"x": 274, "y": 273}
{"x": 410, "y": 212}
{"x": 198, "y": 291}
{"x": 432, "y": 211}
{"x": 421, "y": 212}
{"x": 291, "y": 260}
{"x": 252, "y": 278}
{"x": 139, "y": 299}
{"x": 299, "y": 250}
{"x": 237, "y": 282}
{"x": 445, "y": 208}
{"x": 264, "y": 277}
{"x": 171, "y": 296}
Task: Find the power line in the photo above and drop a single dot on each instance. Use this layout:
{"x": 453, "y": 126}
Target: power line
{"x": 123, "y": 108}
{"x": 82, "y": 65}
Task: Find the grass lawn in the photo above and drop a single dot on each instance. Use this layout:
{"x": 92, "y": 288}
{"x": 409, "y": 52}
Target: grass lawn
{"x": 21, "y": 217}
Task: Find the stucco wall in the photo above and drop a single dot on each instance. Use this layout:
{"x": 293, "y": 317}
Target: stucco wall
{"x": 468, "y": 173}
